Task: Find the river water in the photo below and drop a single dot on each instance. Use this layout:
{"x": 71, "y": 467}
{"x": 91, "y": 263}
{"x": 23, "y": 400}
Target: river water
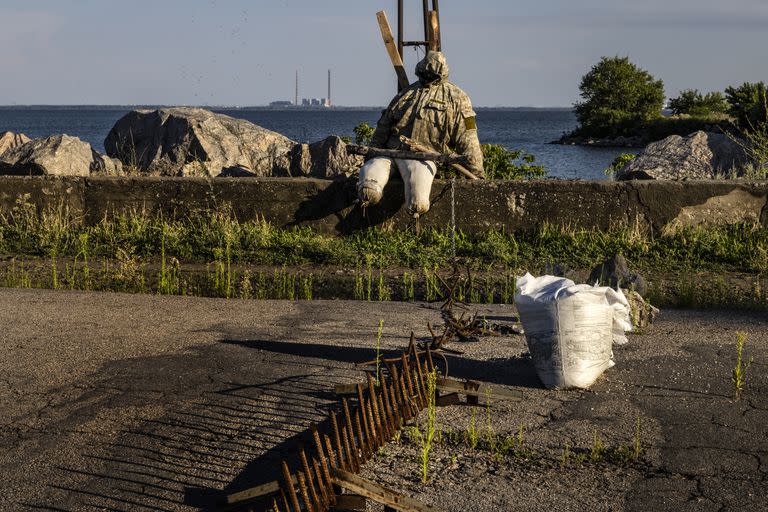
{"x": 529, "y": 130}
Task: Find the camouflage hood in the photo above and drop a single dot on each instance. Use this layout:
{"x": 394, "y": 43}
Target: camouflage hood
{"x": 432, "y": 68}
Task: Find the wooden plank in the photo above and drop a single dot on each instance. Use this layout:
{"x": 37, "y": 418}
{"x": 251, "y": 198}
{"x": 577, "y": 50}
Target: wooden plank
{"x": 255, "y": 492}
{"x": 394, "y": 55}
{"x": 482, "y": 390}
{"x": 415, "y": 146}
{"x": 434, "y": 32}
{"x": 406, "y": 155}
{"x": 378, "y": 493}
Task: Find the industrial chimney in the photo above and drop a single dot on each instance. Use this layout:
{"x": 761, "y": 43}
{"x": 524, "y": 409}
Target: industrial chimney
{"x": 329, "y": 89}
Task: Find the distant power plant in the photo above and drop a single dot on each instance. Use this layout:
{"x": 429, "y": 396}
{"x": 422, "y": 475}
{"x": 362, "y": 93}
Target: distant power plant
{"x": 306, "y": 102}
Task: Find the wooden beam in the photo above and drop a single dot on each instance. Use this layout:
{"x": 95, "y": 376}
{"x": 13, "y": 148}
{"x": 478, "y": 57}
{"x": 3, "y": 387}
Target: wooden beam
{"x": 415, "y": 146}
{"x": 378, "y": 493}
{"x": 434, "y": 32}
{"x": 394, "y": 54}
{"x": 405, "y": 155}
{"x": 483, "y": 390}
{"x": 255, "y": 492}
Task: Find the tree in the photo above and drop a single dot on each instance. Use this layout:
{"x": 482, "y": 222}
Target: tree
{"x": 619, "y": 98}
{"x": 692, "y": 102}
{"x": 748, "y": 104}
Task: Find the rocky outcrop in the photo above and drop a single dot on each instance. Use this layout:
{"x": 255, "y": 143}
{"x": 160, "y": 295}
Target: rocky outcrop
{"x": 327, "y": 158}
{"x": 196, "y": 142}
{"x": 701, "y": 155}
{"x": 10, "y": 140}
{"x": 57, "y": 155}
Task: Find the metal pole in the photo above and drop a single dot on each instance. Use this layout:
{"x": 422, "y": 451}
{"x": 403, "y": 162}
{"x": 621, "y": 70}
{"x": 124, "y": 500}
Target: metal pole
{"x": 400, "y": 27}
{"x": 425, "y": 9}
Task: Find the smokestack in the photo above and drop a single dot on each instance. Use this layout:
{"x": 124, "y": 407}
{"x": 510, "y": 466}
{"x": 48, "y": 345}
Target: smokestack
{"x": 296, "y": 91}
{"x": 329, "y": 88}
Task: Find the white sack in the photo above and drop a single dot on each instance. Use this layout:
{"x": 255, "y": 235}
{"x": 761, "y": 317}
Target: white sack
{"x": 570, "y": 328}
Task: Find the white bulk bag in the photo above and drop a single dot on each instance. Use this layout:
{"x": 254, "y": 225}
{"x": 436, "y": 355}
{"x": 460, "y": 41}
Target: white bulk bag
{"x": 570, "y": 329}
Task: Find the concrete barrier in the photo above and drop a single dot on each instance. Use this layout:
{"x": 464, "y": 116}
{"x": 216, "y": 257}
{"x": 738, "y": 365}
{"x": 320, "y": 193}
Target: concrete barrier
{"x": 328, "y": 206}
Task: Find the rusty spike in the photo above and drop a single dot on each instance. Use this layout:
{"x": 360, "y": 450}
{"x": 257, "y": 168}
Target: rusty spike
{"x": 375, "y": 409}
{"x": 376, "y": 432}
{"x": 284, "y": 500}
{"x": 421, "y": 387}
{"x": 396, "y": 385}
{"x": 345, "y": 435}
{"x": 408, "y": 405}
{"x": 387, "y": 406}
{"x": 316, "y": 504}
{"x": 373, "y": 441}
{"x": 366, "y": 453}
{"x": 332, "y": 457}
{"x": 321, "y": 483}
{"x": 350, "y": 430}
{"x": 384, "y": 420}
{"x": 303, "y": 490}
{"x": 407, "y": 374}
{"x": 395, "y": 408}
{"x": 288, "y": 482}
{"x": 323, "y": 464}
{"x": 337, "y": 438}
{"x": 430, "y": 362}
{"x": 365, "y": 418}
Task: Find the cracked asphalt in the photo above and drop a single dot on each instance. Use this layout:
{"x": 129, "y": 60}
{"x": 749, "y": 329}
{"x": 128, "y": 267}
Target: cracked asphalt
{"x": 134, "y": 402}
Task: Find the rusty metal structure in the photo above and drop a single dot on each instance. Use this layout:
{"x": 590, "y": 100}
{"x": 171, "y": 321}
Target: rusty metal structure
{"x": 401, "y": 43}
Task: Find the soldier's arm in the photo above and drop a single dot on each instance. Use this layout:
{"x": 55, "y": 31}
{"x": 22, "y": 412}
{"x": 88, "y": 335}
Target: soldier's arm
{"x": 384, "y": 125}
{"x": 465, "y": 140}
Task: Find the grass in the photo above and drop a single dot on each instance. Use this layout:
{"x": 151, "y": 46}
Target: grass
{"x": 129, "y": 245}
{"x": 430, "y": 428}
{"x": 739, "y": 371}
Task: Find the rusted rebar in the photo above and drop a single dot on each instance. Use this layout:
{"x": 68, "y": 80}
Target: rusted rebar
{"x": 321, "y": 484}
{"x": 366, "y": 420}
{"x": 337, "y": 438}
{"x": 357, "y": 446}
{"x": 316, "y": 504}
{"x": 304, "y": 492}
{"x": 288, "y": 483}
{"x": 324, "y": 464}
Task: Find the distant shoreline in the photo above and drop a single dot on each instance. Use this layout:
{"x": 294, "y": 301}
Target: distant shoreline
{"x": 251, "y": 108}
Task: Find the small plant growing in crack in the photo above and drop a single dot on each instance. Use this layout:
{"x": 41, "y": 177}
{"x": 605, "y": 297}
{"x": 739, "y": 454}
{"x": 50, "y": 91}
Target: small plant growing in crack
{"x": 739, "y": 372}
{"x": 429, "y": 430}
{"x": 378, "y": 350}
{"x": 472, "y": 434}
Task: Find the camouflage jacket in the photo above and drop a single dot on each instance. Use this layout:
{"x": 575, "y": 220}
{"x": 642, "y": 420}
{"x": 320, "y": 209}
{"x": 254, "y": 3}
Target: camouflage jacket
{"x": 433, "y": 112}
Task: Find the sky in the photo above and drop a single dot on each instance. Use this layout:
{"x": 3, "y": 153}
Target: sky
{"x": 246, "y": 52}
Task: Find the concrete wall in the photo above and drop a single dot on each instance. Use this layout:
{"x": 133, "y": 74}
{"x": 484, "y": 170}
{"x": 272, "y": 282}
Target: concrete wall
{"x": 327, "y": 206}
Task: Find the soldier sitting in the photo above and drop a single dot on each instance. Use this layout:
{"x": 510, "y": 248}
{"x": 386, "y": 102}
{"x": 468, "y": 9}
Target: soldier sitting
{"x": 432, "y": 112}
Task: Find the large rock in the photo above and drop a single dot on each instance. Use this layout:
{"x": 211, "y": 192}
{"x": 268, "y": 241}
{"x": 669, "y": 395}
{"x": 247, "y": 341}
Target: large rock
{"x": 10, "y": 140}
{"x": 327, "y": 158}
{"x": 57, "y": 155}
{"x": 196, "y": 142}
{"x": 701, "y": 155}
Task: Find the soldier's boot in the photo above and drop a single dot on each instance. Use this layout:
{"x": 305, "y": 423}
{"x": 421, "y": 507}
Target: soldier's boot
{"x": 374, "y": 175}
{"x": 417, "y": 177}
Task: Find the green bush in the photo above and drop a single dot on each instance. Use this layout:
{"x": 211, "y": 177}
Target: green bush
{"x": 691, "y": 102}
{"x": 618, "y": 163}
{"x": 363, "y": 133}
{"x": 503, "y": 164}
{"x": 619, "y": 98}
{"x": 748, "y": 104}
